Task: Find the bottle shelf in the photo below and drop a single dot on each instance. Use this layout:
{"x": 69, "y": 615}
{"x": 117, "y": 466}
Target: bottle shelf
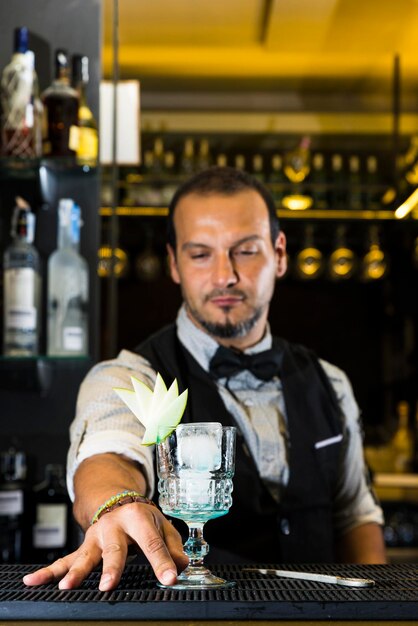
{"x": 29, "y": 168}
{"x": 284, "y": 214}
{"x": 36, "y": 373}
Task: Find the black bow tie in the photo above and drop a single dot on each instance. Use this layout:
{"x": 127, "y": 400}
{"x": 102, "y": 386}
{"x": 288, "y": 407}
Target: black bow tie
{"x": 264, "y": 365}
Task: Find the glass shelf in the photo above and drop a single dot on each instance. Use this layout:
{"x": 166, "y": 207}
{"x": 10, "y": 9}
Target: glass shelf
{"x": 284, "y": 214}
{"x": 36, "y": 373}
{"x": 29, "y": 168}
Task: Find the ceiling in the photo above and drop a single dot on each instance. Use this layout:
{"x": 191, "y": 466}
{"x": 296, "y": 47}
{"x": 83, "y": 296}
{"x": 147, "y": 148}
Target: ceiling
{"x": 305, "y": 44}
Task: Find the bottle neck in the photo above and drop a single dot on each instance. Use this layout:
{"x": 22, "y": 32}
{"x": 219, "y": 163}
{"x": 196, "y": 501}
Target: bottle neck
{"x": 81, "y": 88}
{"x": 65, "y": 240}
{"x": 61, "y": 76}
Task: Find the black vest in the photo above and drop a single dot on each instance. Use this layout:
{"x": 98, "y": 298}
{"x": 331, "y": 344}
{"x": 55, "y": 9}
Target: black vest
{"x": 300, "y": 528}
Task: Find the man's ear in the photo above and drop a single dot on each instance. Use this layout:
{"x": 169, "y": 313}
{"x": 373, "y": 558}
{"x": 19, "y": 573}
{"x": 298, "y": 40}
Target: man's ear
{"x": 281, "y": 256}
{"x": 172, "y": 263}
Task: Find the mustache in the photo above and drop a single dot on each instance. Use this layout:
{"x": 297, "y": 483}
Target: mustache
{"x": 220, "y": 293}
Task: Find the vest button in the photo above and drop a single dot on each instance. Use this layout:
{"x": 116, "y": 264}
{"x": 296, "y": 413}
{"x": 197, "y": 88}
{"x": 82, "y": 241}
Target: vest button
{"x": 285, "y": 526}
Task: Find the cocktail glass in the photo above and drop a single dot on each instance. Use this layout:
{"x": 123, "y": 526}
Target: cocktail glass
{"x": 195, "y": 467}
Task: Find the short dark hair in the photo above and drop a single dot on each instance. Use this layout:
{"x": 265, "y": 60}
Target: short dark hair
{"x": 223, "y": 180}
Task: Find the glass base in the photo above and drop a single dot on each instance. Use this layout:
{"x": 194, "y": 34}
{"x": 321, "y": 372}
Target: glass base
{"x": 194, "y": 577}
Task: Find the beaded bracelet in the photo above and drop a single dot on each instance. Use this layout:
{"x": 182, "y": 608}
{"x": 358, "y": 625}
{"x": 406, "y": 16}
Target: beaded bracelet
{"x": 125, "y": 497}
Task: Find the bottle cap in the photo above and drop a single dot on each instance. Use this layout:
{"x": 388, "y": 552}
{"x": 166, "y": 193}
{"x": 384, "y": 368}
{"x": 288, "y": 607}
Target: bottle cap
{"x": 21, "y": 39}
{"x": 23, "y": 221}
{"x": 12, "y": 465}
{"x": 61, "y": 59}
{"x": 80, "y": 69}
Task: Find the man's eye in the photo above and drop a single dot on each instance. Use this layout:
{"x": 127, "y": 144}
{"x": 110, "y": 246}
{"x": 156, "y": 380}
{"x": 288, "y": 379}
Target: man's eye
{"x": 199, "y": 255}
{"x": 246, "y": 251}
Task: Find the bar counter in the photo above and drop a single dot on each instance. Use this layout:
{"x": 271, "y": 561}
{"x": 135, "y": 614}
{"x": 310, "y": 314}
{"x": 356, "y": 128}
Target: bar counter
{"x": 256, "y": 597}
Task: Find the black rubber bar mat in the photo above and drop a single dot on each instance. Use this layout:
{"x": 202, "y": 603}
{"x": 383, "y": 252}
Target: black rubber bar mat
{"x": 255, "y": 597}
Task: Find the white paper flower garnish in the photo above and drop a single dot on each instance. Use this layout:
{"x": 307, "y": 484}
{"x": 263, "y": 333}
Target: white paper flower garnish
{"x": 159, "y": 410}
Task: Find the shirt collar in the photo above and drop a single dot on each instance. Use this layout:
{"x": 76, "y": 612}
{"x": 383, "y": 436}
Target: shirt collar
{"x": 202, "y": 346}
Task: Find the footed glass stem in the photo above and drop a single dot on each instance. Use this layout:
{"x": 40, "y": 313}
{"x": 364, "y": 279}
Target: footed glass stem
{"x": 196, "y": 575}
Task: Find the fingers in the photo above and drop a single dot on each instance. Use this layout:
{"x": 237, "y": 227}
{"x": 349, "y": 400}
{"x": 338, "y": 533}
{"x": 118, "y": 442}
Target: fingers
{"x": 48, "y": 574}
{"x": 152, "y": 544}
{"x": 85, "y": 560}
{"x": 109, "y": 540}
{"x": 174, "y": 544}
{"x": 114, "y": 559}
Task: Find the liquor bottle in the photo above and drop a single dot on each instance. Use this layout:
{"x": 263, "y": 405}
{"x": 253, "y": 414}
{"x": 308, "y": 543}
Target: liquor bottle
{"x": 61, "y": 104}
{"x": 221, "y": 160}
{"x": 414, "y": 466}
{"x": 297, "y": 162}
{"x": 158, "y": 158}
{"x": 258, "y": 167}
{"x": 402, "y": 442}
{"x": 67, "y": 288}
{"x": 354, "y": 184}
{"x": 22, "y": 286}
{"x": 277, "y": 181}
{"x": 203, "y": 158}
{"x": 169, "y": 187}
{"x": 187, "y": 159}
{"x": 371, "y": 196}
{"x": 52, "y": 514}
{"x": 239, "y": 162}
{"x": 338, "y": 196}
{"x": 88, "y": 143}
{"x": 319, "y": 182}
{"x": 20, "y": 104}
{"x": 14, "y": 540}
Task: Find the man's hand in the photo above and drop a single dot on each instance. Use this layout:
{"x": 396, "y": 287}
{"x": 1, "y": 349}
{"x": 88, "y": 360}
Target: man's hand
{"x": 109, "y": 539}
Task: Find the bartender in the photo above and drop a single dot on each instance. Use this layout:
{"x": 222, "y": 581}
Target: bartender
{"x": 301, "y": 488}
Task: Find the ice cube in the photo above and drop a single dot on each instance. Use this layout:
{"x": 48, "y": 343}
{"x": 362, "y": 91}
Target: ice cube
{"x": 199, "y": 446}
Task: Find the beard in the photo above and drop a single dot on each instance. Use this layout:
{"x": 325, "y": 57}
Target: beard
{"x": 227, "y": 329}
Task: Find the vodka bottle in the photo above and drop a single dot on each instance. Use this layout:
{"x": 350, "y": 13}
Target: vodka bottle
{"x": 51, "y": 530}
{"x": 21, "y": 284}
{"x": 67, "y": 288}
{"x": 88, "y": 143}
{"x": 20, "y": 104}
{"x": 60, "y": 102}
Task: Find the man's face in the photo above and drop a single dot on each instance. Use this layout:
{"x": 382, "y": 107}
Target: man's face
{"x": 226, "y": 264}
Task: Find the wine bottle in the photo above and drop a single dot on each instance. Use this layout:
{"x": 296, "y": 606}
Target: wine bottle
{"x": 371, "y": 196}
{"x": 203, "y": 159}
{"x": 402, "y": 442}
{"x": 414, "y": 466}
{"x": 258, "y": 167}
{"x": 13, "y": 507}
{"x": 22, "y": 286}
{"x": 67, "y": 296}
{"x": 51, "y": 531}
{"x": 338, "y": 195}
{"x": 354, "y": 184}
{"x": 276, "y": 179}
{"x": 20, "y": 103}
{"x": 319, "y": 182}
{"x": 187, "y": 159}
{"x": 61, "y": 103}
{"x": 88, "y": 144}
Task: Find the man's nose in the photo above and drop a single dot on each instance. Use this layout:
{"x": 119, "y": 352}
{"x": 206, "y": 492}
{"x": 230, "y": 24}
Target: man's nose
{"x": 224, "y": 271}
